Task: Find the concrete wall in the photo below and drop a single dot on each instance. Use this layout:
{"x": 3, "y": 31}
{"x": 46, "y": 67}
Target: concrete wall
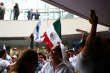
{"x": 16, "y": 33}
{"x": 25, "y": 28}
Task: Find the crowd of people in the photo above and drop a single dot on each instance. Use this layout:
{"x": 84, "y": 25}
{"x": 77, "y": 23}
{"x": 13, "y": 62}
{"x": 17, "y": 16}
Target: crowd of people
{"x": 32, "y": 14}
{"x": 90, "y": 55}
{"x": 16, "y": 12}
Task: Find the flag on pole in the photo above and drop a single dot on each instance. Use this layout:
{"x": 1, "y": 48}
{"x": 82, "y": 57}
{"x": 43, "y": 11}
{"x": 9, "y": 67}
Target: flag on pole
{"x": 53, "y": 35}
{"x": 37, "y": 33}
{"x": 4, "y": 47}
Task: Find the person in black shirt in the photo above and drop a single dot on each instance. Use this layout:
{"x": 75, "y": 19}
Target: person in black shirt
{"x": 16, "y": 11}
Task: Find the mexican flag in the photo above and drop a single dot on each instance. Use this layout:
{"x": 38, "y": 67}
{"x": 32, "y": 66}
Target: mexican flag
{"x": 53, "y": 34}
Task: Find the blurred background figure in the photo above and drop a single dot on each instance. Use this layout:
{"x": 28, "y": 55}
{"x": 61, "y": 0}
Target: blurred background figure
{"x": 16, "y": 11}
{"x": 26, "y": 63}
{"x": 41, "y": 62}
{"x": 4, "y": 64}
{"x": 14, "y": 58}
{"x": 36, "y": 15}
{"x": 2, "y": 11}
{"x": 30, "y": 14}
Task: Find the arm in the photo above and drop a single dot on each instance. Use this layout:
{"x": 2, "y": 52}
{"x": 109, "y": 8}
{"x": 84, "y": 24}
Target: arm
{"x": 93, "y": 20}
{"x": 83, "y": 33}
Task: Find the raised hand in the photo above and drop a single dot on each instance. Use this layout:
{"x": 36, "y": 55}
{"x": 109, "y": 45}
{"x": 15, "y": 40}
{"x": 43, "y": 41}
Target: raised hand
{"x": 93, "y": 18}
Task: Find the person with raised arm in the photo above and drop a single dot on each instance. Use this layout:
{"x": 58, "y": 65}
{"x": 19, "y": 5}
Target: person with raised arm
{"x": 85, "y": 61}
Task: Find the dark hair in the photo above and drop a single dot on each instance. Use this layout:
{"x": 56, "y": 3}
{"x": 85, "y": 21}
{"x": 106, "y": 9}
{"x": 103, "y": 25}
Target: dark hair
{"x": 2, "y": 52}
{"x": 58, "y": 51}
{"x": 29, "y": 56}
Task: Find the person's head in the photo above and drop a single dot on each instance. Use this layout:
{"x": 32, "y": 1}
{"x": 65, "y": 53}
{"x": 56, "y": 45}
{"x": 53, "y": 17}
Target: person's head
{"x": 72, "y": 53}
{"x": 56, "y": 54}
{"x": 67, "y": 55}
{"x": 16, "y": 4}
{"x": 32, "y": 36}
{"x": 40, "y": 57}
{"x": 2, "y": 53}
{"x": 2, "y": 4}
{"x": 27, "y": 62}
{"x": 14, "y": 58}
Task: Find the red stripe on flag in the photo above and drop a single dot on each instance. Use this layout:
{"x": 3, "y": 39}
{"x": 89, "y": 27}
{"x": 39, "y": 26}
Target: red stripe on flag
{"x": 47, "y": 41}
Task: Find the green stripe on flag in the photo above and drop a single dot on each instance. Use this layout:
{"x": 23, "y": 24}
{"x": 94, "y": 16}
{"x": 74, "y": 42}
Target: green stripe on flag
{"x": 57, "y": 27}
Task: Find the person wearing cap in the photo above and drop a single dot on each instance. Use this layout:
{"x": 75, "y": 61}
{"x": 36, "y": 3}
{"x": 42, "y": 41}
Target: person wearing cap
{"x": 14, "y": 58}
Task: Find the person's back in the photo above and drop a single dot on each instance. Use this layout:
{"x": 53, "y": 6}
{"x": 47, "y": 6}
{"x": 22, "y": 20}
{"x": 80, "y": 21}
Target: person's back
{"x": 26, "y": 63}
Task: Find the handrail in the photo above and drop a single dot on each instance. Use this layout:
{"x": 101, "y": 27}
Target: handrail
{"x": 51, "y": 13}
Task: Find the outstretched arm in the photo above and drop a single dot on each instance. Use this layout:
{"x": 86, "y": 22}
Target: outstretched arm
{"x": 93, "y": 20}
{"x": 83, "y": 33}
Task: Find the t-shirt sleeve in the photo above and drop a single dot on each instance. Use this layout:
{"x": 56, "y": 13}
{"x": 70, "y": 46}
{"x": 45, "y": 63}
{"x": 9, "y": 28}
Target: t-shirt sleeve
{"x": 5, "y": 64}
{"x": 66, "y": 70}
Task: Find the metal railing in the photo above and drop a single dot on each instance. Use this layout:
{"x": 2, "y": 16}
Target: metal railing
{"x": 44, "y": 14}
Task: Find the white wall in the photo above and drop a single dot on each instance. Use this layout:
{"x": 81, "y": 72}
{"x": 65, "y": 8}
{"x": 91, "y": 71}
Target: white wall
{"x": 25, "y": 28}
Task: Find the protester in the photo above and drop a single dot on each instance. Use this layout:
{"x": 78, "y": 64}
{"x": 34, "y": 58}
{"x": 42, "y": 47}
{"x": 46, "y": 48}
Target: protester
{"x": 94, "y": 56}
{"x": 56, "y": 65}
{"x": 31, "y": 41}
{"x": 80, "y": 44}
{"x": 16, "y": 11}
{"x": 41, "y": 62}
{"x": 4, "y": 64}
{"x": 67, "y": 62}
{"x": 26, "y": 63}
{"x": 8, "y": 58}
{"x": 14, "y": 58}
{"x": 2, "y": 11}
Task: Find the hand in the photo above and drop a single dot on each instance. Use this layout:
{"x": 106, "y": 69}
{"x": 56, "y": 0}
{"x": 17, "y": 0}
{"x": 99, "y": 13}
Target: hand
{"x": 32, "y": 36}
{"x": 59, "y": 42}
{"x": 93, "y": 18}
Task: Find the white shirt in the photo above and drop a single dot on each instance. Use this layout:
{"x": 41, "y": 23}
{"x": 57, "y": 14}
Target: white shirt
{"x": 69, "y": 65}
{"x": 73, "y": 61}
{"x": 61, "y": 68}
{"x": 3, "y": 65}
{"x": 84, "y": 65}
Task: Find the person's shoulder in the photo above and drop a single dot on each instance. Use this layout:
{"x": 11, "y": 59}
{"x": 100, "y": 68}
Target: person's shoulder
{"x": 47, "y": 65}
{"x": 13, "y": 72}
{"x": 4, "y": 62}
{"x": 64, "y": 68}
{"x": 62, "y": 65}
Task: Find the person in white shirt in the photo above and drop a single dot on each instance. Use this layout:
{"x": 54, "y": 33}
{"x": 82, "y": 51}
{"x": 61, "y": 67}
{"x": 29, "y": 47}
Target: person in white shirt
{"x": 4, "y": 64}
{"x": 56, "y": 65}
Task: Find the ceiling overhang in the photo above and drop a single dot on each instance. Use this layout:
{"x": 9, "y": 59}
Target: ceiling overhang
{"x": 82, "y": 8}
